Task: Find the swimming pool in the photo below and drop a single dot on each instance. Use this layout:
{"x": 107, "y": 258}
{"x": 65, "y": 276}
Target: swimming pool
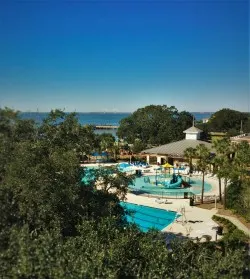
{"x": 146, "y": 217}
{"x": 89, "y": 175}
{"x": 147, "y": 185}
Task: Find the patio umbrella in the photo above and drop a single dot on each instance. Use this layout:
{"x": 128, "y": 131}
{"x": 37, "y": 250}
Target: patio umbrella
{"x": 167, "y": 165}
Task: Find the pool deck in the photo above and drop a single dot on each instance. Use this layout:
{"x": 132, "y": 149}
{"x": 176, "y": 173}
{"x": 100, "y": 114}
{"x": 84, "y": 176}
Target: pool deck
{"x": 194, "y": 221}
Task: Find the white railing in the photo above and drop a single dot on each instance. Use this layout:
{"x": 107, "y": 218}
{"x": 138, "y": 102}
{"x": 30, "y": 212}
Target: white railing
{"x": 239, "y": 136}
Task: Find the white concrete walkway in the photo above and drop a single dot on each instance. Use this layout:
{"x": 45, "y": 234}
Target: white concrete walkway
{"x": 193, "y": 222}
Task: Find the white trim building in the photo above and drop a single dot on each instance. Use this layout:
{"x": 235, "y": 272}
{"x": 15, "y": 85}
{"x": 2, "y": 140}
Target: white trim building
{"x": 174, "y": 152}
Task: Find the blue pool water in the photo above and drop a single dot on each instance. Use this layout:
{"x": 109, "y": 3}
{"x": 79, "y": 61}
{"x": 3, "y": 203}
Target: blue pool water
{"x": 147, "y": 185}
{"x": 146, "y": 217}
{"x": 123, "y": 165}
{"x": 89, "y": 175}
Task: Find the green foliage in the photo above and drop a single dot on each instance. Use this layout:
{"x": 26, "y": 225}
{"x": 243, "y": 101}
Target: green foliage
{"x": 155, "y": 125}
{"x": 8, "y": 119}
{"x": 112, "y": 180}
{"x": 233, "y": 237}
{"x": 223, "y": 163}
{"x": 138, "y": 146}
{"x": 12, "y": 130}
{"x": 242, "y": 160}
{"x": 105, "y": 250}
{"x": 190, "y": 153}
{"x": 41, "y": 182}
{"x": 204, "y": 158}
{"x": 238, "y": 197}
{"x": 202, "y": 153}
{"x": 106, "y": 141}
{"x": 233, "y": 194}
{"x": 54, "y": 225}
{"x": 234, "y": 170}
{"x": 227, "y": 120}
{"x": 204, "y": 128}
{"x": 63, "y": 130}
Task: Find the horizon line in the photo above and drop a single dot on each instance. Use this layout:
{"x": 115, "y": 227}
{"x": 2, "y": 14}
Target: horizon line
{"x": 103, "y": 112}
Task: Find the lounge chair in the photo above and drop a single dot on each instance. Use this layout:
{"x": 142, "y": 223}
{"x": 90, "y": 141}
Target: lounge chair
{"x": 197, "y": 198}
{"x": 162, "y": 201}
{"x": 168, "y": 202}
{"x": 158, "y": 200}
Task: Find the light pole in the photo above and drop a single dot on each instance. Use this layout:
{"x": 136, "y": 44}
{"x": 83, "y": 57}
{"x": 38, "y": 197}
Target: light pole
{"x": 156, "y": 176}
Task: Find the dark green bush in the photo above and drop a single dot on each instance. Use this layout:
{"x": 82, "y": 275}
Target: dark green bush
{"x": 232, "y": 234}
{"x": 238, "y": 198}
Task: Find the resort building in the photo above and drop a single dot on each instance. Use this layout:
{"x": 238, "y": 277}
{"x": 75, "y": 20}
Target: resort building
{"x": 217, "y": 135}
{"x": 205, "y": 120}
{"x": 240, "y": 138}
{"x": 173, "y": 152}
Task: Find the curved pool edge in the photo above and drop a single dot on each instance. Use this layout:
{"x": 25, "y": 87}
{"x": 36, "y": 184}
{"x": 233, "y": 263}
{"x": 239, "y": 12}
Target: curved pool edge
{"x": 154, "y": 189}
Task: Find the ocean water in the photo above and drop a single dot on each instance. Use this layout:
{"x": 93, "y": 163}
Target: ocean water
{"x": 90, "y": 118}
{"x": 99, "y": 118}
{"x": 201, "y": 115}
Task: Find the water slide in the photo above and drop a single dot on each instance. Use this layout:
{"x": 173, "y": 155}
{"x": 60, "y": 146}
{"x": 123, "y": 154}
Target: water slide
{"x": 171, "y": 185}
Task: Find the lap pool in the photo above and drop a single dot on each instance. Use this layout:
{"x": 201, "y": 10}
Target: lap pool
{"x": 146, "y": 217}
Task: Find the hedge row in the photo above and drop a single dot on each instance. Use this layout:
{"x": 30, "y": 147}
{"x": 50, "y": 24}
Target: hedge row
{"x": 232, "y": 234}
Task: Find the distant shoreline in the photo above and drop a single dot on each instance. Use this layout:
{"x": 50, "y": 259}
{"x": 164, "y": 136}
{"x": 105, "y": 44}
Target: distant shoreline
{"x": 100, "y": 118}
{"x": 106, "y": 112}
{"x": 91, "y": 112}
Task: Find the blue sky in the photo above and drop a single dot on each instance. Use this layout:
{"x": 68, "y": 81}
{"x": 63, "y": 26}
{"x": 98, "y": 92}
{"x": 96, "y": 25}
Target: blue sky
{"x": 122, "y": 55}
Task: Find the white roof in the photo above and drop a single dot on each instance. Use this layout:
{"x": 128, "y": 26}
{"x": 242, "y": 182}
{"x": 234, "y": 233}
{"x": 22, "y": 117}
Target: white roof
{"x": 192, "y": 130}
{"x": 176, "y": 149}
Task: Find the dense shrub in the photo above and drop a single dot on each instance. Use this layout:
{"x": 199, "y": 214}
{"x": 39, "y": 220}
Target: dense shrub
{"x": 238, "y": 198}
{"x": 232, "y": 234}
{"x": 53, "y": 225}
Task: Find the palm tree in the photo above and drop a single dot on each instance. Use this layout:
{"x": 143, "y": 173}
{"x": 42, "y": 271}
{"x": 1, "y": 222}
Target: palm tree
{"x": 241, "y": 177}
{"x": 106, "y": 142}
{"x": 219, "y": 147}
{"x": 190, "y": 153}
{"x": 242, "y": 160}
{"x": 203, "y": 154}
{"x": 223, "y": 164}
{"x": 225, "y": 172}
{"x": 115, "y": 149}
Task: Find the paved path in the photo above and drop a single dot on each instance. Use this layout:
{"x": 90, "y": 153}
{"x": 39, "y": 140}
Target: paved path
{"x": 195, "y": 221}
{"x": 237, "y": 223}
